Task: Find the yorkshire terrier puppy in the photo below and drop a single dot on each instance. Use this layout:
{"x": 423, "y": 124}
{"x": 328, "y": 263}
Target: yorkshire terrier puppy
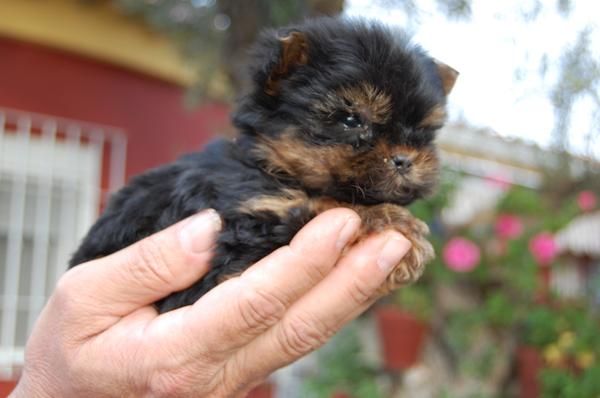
{"x": 342, "y": 113}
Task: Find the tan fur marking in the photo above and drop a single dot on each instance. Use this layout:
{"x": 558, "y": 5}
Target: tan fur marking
{"x": 364, "y": 99}
{"x": 279, "y": 205}
{"x": 448, "y": 76}
{"x": 294, "y": 52}
{"x": 428, "y": 165}
{"x": 368, "y": 101}
{"x": 310, "y": 164}
{"x": 316, "y": 166}
{"x": 435, "y": 118}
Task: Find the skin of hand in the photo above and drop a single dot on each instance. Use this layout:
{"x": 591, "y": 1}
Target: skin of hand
{"x": 99, "y": 334}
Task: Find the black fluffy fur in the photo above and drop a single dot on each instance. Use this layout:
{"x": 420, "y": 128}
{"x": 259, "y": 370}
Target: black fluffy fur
{"x": 227, "y": 173}
{"x": 218, "y": 178}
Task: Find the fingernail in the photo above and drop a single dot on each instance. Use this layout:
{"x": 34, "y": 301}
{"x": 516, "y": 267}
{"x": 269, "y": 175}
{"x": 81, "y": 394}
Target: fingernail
{"x": 348, "y": 232}
{"x": 198, "y": 234}
{"x": 393, "y": 251}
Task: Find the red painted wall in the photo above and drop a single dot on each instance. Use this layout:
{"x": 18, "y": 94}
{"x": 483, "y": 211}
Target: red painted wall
{"x": 159, "y": 128}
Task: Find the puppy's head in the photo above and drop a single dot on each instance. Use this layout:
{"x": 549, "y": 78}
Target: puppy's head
{"x": 347, "y": 109}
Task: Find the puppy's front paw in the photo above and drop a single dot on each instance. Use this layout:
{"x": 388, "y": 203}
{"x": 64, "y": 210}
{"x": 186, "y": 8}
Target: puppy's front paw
{"x": 389, "y": 216}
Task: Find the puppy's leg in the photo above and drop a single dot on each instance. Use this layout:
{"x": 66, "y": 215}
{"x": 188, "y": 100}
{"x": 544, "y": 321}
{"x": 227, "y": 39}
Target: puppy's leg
{"x": 384, "y": 216}
{"x": 375, "y": 218}
{"x": 389, "y": 216}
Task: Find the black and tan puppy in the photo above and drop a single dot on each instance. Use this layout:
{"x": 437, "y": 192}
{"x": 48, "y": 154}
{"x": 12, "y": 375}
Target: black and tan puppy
{"x": 341, "y": 114}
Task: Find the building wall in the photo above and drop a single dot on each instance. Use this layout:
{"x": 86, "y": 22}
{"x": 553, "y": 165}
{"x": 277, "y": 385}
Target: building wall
{"x": 97, "y": 30}
{"x": 151, "y": 111}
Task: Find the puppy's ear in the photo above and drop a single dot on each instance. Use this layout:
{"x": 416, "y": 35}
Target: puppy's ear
{"x": 293, "y": 51}
{"x": 448, "y": 75}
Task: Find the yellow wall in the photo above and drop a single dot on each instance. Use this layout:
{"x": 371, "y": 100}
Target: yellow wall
{"x": 97, "y": 31}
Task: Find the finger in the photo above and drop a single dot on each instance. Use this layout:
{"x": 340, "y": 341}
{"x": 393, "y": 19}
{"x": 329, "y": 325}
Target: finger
{"x": 244, "y": 307}
{"x": 348, "y": 291}
{"x": 150, "y": 269}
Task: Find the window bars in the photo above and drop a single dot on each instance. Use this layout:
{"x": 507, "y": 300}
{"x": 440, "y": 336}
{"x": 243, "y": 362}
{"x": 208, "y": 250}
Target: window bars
{"x": 54, "y": 175}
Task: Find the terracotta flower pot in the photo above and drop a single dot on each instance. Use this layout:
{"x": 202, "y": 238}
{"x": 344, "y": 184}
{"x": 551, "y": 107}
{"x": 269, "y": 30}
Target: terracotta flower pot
{"x": 340, "y": 395}
{"x": 530, "y": 363}
{"x": 6, "y": 386}
{"x": 402, "y": 337}
{"x": 264, "y": 390}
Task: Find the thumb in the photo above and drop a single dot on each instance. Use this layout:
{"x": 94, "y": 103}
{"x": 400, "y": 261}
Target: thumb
{"x": 146, "y": 271}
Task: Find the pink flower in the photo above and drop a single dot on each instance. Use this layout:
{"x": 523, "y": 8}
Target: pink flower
{"x": 586, "y": 200}
{"x": 543, "y": 248}
{"x": 461, "y": 255}
{"x": 508, "y": 226}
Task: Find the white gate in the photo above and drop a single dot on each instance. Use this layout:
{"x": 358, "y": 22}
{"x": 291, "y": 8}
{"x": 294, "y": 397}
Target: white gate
{"x": 50, "y": 193}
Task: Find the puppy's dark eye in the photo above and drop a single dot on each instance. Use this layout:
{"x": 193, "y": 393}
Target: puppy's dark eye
{"x": 351, "y": 120}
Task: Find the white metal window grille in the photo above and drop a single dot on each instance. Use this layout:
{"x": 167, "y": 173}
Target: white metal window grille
{"x": 50, "y": 193}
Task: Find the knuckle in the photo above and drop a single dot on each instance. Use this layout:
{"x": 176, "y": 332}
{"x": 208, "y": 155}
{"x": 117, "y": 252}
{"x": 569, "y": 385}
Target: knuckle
{"x": 359, "y": 292}
{"x": 260, "y": 309}
{"x": 150, "y": 264}
{"x": 65, "y": 289}
{"x": 230, "y": 380}
{"x": 312, "y": 266}
{"x": 303, "y": 334}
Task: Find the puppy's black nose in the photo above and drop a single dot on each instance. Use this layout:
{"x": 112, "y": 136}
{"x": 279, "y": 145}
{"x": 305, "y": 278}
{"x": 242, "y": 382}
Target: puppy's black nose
{"x": 402, "y": 163}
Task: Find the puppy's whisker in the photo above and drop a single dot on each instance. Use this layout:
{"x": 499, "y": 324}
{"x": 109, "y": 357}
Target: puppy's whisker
{"x": 361, "y": 190}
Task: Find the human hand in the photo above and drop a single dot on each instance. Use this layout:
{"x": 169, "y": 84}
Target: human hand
{"x": 99, "y": 334}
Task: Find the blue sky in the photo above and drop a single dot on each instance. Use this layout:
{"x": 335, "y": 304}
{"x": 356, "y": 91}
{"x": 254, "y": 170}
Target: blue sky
{"x": 489, "y": 49}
